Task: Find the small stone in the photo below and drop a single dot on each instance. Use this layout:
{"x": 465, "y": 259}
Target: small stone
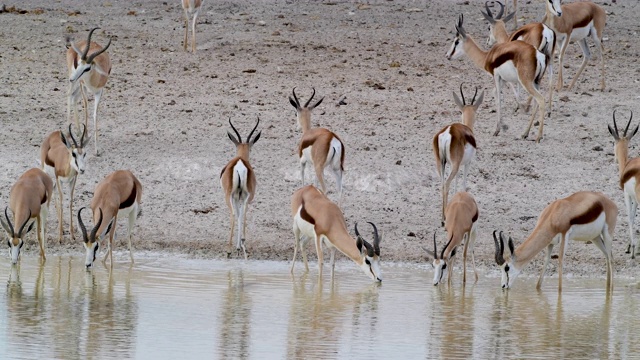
{"x": 399, "y": 162}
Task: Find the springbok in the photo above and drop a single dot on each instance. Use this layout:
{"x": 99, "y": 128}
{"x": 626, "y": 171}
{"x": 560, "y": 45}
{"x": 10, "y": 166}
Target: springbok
{"x": 576, "y": 21}
{"x": 191, "y": 9}
{"x": 455, "y": 144}
{"x": 318, "y": 218}
{"x": 462, "y": 215}
{"x": 319, "y": 146}
{"x": 117, "y": 195}
{"x": 583, "y": 216}
{"x": 29, "y": 201}
{"x": 514, "y": 62}
{"x": 66, "y": 160}
{"x": 536, "y": 34}
{"x": 89, "y": 71}
{"x": 629, "y": 170}
{"x": 238, "y": 182}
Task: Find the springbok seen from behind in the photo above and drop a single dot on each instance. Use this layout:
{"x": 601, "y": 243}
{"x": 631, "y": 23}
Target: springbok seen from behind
{"x": 455, "y": 144}
{"x": 238, "y": 182}
{"x": 462, "y": 215}
{"x": 320, "y": 219}
{"x": 629, "y": 170}
{"x": 29, "y": 201}
{"x": 583, "y": 216}
{"x": 89, "y": 67}
{"x": 66, "y": 160}
{"x": 319, "y": 146}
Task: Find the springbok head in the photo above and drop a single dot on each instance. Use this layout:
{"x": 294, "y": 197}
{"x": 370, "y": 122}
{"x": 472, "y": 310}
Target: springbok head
{"x": 497, "y": 21}
{"x": 555, "y": 7}
{"x": 243, "y": 148}
{"x": 304, "y": 112}
{"x": 86, "y": 61}
{"x": 622, "y": 142}
{"x": 468, "y": 110}
{"x": 91, "y": 243}
{"x": 440, "y": 267}
{"x": 509, "y": 271}
{"x": 457, "y": 47}
{"x": 15, "y": 241}
{"x": 78, "y": 155}
{"x": 370, "y": 254}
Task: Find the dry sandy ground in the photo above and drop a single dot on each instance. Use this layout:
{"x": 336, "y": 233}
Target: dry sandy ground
{"x": 164, "y": 116}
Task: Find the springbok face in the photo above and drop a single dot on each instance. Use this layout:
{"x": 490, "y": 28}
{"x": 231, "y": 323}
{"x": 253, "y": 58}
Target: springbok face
{"x": 509, "y": 271}
{"x": 621, "y": 142}
{"x": 370, "y": 254}
{"x": 457, "y": 47}
{"x": 91, "y": 244}
{"x": 555, "y": 7}
{"x": 85, "y": 64}
{"x": 15, "y": 241}
{"x": 243, "y": 148}
{"x": 440, "y": 265}
{"x": 78, "y": 155}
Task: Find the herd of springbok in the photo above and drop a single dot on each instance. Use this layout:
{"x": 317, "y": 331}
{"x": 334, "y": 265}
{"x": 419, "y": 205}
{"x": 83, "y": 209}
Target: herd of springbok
{"x": 520, "y": 59}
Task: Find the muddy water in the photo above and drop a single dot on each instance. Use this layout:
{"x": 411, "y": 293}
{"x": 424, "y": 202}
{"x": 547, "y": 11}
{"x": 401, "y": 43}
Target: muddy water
{"x": 164, "y": 308}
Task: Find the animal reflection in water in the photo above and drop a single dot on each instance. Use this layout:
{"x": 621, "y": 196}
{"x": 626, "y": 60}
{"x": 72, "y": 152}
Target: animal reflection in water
{"x": 236, "y": 318}
{"x": 315, "y": 318}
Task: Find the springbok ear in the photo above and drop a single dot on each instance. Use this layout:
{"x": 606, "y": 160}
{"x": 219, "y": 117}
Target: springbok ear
{"x": 429, "y": 252}
{"x": 511, "y": 247}
{"x": 64, "y": 140}
{"x": 255, "y": 139}
{"x": 359, "y": 244}
{"x": 478, "y": 102}
{"x": 316, "y": 105}
{"x": 30, "y": 228}
{"x": 5, "y": 226}
{"x": 233, "y": 139}
{"x": 293, "y": 103}
{"x": 456, "y": 99}
{"x": 508, "y": 17}
{"x": 613, "y": 133}
{"x": 634, "y": 132}
{"x": 453, "y": 253}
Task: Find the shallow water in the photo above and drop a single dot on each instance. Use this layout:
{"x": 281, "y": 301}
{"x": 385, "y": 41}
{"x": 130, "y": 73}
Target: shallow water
{"x": 165, "y": 308}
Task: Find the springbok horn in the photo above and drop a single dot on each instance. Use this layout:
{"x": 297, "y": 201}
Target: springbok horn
{"x": 254, "y": 129}
{"x": 236, "y": 131}
{"x": 464, "y": 102}
{"x": 435, "y": 247}
{"x": 95, "y": 54}
{"x": 474, "y": 96}
{"x": 309, "y": 101}
{"x": 73, "y": 138}
{"x": 6, "y": 215}
{"x": 92, "y": 236}
{"x": 83, "y": 229}
{"x": 376, "y": 239}
{"x": 23, "y": 225}
{"x": 499, "y": 16}
{"x": 86, "y": 50}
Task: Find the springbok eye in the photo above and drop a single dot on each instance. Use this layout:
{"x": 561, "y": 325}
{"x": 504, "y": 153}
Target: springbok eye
{"x": 367, "y": 261}
{"x": 506, "y": 268}
{"x": 444, "y": 266}
{"x": 74, "y": 154}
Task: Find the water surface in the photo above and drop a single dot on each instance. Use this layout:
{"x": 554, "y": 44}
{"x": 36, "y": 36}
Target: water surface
{"x": 164, "y": 308}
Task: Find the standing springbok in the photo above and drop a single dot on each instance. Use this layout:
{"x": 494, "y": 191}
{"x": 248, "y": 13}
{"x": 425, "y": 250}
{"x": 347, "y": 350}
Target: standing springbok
{"x": 462, "y": 215}
{"x": 117, "y": 195}
{"x": 318, "y": 218}
{"x": 629, "y": 170}
{"x": 66, "y": 160}
{"x": 29, "y": 200}
{"x": 191, "y": 9}
{"x": 238, "y": 182}
{"x": 514, "y": 62}
{"x": 89, "y": 71}
{"x": 536, "y": 34}
{"x": 319, "y": 146}
{"x": 583, "y": 216}
{"x": 576, "y": 21}
{"x": 455, "y": 144}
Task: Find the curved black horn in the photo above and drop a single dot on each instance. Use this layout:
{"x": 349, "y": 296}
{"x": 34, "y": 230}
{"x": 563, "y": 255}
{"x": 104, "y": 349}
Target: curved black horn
{"x": 435, "y": 246}
{"x": 464, "y": 102}
{"x": 236, "y": 131}
{"x": 84, "y": 132}
{"x": 499, "y": 16}
{"x": 615, "y": 125}
{"x": 254, "y": 129}
{"x": 25, "y": 224}
{"x": 498, "y": 255}
{"x": 486, "y": 6}
{"x": 312, "y": 95}
{"x": 83, "y": 229}
{"x": 95, "y": 54}
{"x": 376, "y": 239}
{"x": 86, "y": 50}
{"x": 474, "y": 96}
{"x": 628, "y": 123}
{"x": 75, "y": 143}
{"x": 92, "y": 236}
{"x": 296, "y": 98}
{"x": 356, "y": 229}
{"x": 6, "y": 215}
{"x": 445, "y": 247}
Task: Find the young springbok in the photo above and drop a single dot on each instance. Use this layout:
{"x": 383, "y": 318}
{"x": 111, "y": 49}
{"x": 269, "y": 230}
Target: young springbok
{"x": 514, "y": 62}
{"x": 318, "y": 218}
{"x": 66, "y": 160}
{"x": 583, "y": 216}
{"x": 88, "y": 68}
{"x": 536, "y": 34}
{"x": 576, "y": 21}
{"x": 629, "y": 170}
{"x": 455, "y": 144}
{"x": 29, "y": 200}
{"x": 319, "y": 146}
{"x": 238, "y": 182}
{"x": 117, "y": 195}
{"x": 191, "y": 9}
{"x": 462, "y": 215}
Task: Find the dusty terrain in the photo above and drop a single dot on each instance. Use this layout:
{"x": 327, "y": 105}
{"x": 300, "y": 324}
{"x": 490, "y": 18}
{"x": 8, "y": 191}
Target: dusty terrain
{"x": 164, "y": 116}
